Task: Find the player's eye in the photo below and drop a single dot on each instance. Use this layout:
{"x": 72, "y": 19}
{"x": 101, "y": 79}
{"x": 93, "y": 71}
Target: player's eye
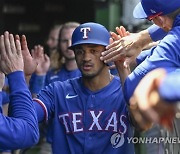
{"x": 93, "y": 51}
{"x": 79, "y": 51}
{"x": 64, "y": 40}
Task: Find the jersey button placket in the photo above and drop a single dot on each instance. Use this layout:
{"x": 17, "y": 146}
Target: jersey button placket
{"x": 92, "y": 102}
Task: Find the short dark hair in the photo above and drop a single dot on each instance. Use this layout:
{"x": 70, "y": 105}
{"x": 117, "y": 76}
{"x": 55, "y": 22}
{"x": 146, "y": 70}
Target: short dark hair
{"x": 174, "y": 14}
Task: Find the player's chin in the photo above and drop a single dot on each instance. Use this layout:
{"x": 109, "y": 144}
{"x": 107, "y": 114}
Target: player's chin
{"x": 88, "y": 75}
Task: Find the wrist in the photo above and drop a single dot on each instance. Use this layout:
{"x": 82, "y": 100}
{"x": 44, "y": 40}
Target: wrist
{"x": 40, "y": 73}
{"x": 144, "y": 38}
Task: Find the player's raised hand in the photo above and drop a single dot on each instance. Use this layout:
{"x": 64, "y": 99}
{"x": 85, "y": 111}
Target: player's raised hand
{"x": 11, "y": 59}
{"x": 112, "y": 52}
{"x": 126, "y": 45}
{"x": 30, "y": 64}
{"x": 122, "y": 65}
{"x": 42, "y": 60}
{"x": 146, "y": 105}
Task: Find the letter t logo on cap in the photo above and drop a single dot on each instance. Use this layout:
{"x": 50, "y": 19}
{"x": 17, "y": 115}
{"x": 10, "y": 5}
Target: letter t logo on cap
{"x": 85, "y": 32}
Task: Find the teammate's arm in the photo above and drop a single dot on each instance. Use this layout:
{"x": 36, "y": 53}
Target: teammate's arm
{"x": 130, "y": 46}
{"x": 20, "y": 130}
{"x": 164, "y": 55}
{"x": 44, "y": 103}
{"x": 37, "y": 81}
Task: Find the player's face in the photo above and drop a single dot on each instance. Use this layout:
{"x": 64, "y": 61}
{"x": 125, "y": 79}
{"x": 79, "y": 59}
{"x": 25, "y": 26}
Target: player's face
{"x": 65, "y": 42}
{"x": 88, "y": 59}
{"x": 52, "y": 41}
{"x": 163, "y": 22}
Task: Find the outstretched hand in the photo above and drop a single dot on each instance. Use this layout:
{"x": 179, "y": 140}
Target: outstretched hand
{"x": 11, "y": 59}
{"x": 122, "y": 64}
{"x": 124, "y": 46}
{"x": 30, "y": 63}
{"x": 42, "y": 60}
{"x": 146, "y": 105}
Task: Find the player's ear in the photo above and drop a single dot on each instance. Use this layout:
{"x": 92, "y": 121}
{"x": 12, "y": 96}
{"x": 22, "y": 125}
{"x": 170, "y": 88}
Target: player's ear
{"x": 160, "y": 20}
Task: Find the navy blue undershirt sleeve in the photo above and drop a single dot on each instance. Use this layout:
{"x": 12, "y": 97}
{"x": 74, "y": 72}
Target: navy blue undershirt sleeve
{"x": 156, "y": 33}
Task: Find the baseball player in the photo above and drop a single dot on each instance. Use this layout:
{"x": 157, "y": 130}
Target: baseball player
{"x": 166, "y": 54}
{"x": 89, "y": 112}
{"x": 20, "y": 130}
{"x": 66, "y": 70}
{"x": 86, "y": 110}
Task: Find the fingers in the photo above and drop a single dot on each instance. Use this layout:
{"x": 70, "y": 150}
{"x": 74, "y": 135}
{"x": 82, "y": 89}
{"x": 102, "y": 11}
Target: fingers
{"x": 32, "y": 53}
{"x": 111, "y": 41}
{"x": 115, "y": 36}
{"x": 121, "y": 31}
{"x": 11, "y": 57}
{"x": 113, "y": 47}
{"x": 2, "y": 47}
{"x": 17, "y": 37}
{"x": 24, "y": 46}
{"x": 113, "y": 54}
{"x": 38, "y": 51}
{"x": 13, "y": 47}
{"x": 7, "y": 43}
{"x": 24, "y": 42}
{"x": 47, "y": 58}
{"x": 18, "y": 47}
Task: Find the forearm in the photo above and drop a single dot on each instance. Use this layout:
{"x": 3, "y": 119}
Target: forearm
{"x": 150, "y": 37}
{"x": 27, "y": 78}
{"x": 144, "y": 39}
{"x": 123, "y": 72}
{"x": 21, "y": 129}
{"x": 37, "y": 83}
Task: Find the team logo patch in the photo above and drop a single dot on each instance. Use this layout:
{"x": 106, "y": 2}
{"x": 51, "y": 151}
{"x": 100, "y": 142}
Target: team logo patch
{"x": 117, "y": 140}
{"x": 85, "y": 32}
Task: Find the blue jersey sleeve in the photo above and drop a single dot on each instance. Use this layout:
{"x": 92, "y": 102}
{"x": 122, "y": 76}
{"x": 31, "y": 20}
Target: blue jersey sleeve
{"x": 143, "y": 55}
{"x": 165, "y": 55}
{"x": 45, "y": 99}
{"x": 20, "y": 130}
{"x": 169, "y": 88}
{"x": 156, "y": 33}
{"x": 37, "y": 83}
{"x": 5, "y": 97}
{"x": 5, "y": 94}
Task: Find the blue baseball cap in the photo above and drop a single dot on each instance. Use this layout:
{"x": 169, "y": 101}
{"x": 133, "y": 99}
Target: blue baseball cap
{"x": 90, "y": 33}
{"x": 148, "y": 8}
